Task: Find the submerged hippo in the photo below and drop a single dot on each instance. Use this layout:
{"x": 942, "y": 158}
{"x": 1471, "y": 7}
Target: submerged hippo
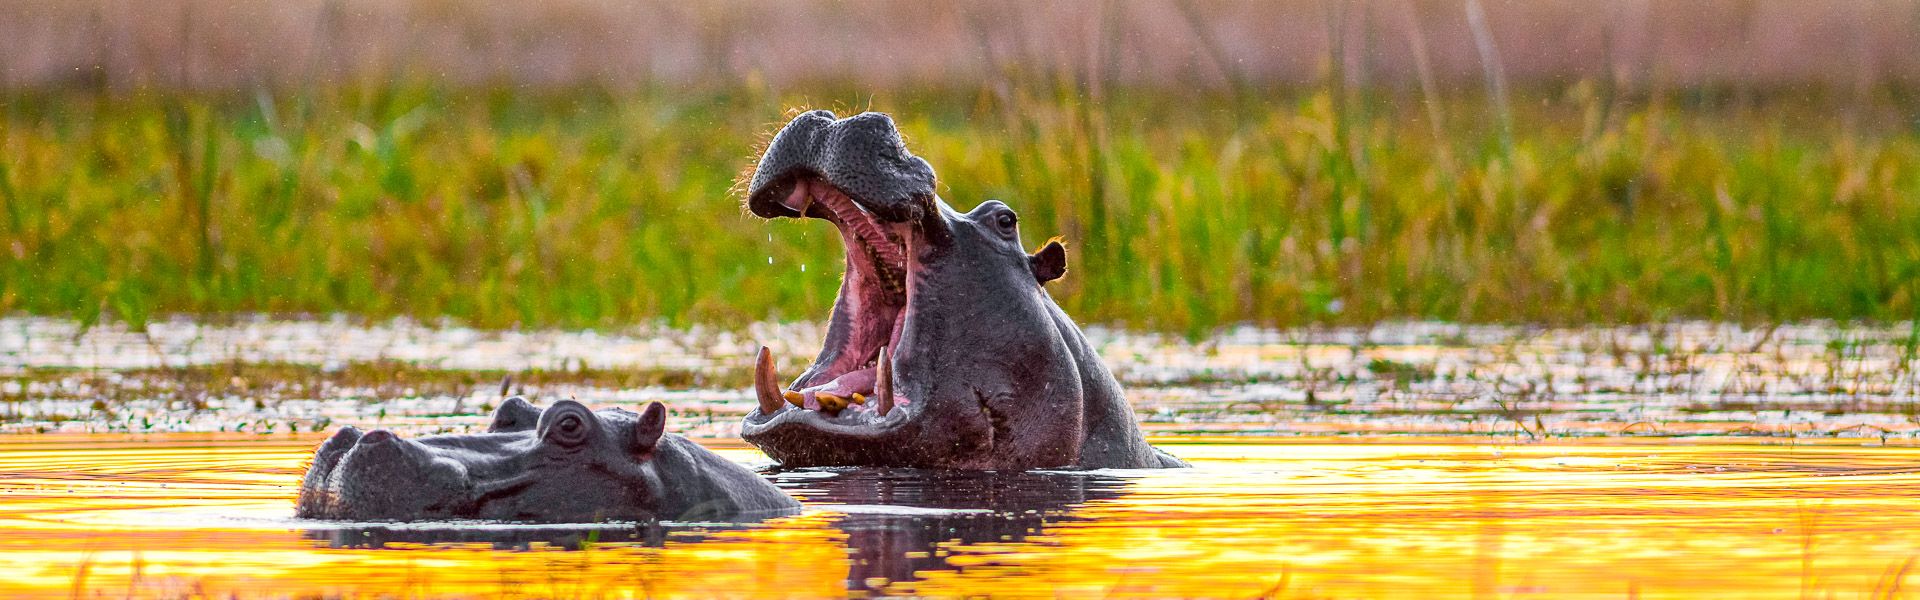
{"x": 944, "y": 349}
{"x": 563, "y": 464}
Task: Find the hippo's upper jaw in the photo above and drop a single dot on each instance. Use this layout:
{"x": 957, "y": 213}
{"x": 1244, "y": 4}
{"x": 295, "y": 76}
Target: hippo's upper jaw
{"x": 862, "y": 155}
{"x": 944, "y": 349}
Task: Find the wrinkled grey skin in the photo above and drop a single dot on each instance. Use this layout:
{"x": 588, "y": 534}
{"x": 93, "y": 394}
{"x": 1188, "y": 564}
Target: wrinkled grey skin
{"x": 990, "y": 373}
{"x": 562, "y": 464}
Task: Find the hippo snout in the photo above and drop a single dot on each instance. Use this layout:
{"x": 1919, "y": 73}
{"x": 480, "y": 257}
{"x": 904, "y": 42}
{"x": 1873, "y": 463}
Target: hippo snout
{"x": 369, "y": 475}
{"x": 314, "y": 499}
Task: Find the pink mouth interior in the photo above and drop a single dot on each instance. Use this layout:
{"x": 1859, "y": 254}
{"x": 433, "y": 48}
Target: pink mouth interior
{"x": 846, "y": 383}
{"x": 875, "y": 296}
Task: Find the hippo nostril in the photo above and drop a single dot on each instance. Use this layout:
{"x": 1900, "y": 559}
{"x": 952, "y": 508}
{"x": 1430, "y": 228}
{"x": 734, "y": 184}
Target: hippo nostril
{"x": 377, "y": 436}
{"x": 341, "y": 440}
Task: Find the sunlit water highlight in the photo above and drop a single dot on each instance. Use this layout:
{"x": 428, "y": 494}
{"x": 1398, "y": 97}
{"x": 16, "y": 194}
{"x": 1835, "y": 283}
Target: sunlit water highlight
{"x": 187, "y": 515}
{"x": 1672, "y": 460}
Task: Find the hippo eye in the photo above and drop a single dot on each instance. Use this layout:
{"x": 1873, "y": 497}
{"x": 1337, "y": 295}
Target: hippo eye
{"x": 570, "y": 431}
{"x": 1006, "y": 221}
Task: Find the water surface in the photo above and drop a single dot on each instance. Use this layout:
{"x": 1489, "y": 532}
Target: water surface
{"x": 1408, "y": 459}
{"x": 1806, "y": 380}
{"x": 188, "y": 514}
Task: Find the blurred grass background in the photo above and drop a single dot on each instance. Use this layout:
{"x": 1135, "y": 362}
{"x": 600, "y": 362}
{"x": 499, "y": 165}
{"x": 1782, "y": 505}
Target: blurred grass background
{"x": 1350, "y": 162}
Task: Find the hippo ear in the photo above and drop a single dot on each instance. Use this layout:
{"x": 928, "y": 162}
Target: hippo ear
{"x": 514, "y": 415}
{"x": 1050, "y": 262}
{"x": 652, "y": 424}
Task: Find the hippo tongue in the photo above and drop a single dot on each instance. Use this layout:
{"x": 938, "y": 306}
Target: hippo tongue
{"x": 847, "y": 384}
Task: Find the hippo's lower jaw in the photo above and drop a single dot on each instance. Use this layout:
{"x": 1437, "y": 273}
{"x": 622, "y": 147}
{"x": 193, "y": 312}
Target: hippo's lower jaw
{"x": 863, "y": 399}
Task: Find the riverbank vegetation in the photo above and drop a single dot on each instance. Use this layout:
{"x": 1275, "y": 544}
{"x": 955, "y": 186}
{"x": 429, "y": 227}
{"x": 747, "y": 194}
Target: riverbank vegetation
{"x": 1183, "y": 212}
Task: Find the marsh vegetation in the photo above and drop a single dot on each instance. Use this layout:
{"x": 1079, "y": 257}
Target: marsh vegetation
{"x": 587, "y": 208}
{"x": 1211, "y": 164}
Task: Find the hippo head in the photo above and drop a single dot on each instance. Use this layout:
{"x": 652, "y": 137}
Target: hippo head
{"x": 566, "y": 463}
{"x": 944, "y": 348}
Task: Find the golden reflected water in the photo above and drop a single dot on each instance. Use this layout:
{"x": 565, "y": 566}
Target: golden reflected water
{"x": 193, "y": 516}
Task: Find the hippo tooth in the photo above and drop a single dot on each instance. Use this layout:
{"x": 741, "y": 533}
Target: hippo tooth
{"x": 857, "y": 398}
{"x": 765, "y": 384}
{"x": 795, "y": 398}
{"x": 830, "y": 402}
{"x": 883, "y": 383}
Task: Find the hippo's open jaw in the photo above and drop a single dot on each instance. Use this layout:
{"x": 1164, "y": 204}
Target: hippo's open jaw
{"x": 857, "y": 174}
{"x": 851, "y": 383}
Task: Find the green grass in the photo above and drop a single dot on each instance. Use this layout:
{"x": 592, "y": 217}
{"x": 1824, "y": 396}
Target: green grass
{"x": 595, "y": 208}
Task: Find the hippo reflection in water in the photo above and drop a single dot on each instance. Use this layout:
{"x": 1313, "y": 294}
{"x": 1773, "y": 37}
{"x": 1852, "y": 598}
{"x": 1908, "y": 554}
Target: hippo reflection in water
{"x": 896, "y": 538}
{"x": 944, "y": 348}
{"x": 900, "y": 524}
{"x": 563, "y": 464}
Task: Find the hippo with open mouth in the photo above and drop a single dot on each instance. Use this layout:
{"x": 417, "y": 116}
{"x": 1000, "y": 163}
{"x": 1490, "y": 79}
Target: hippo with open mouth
{"x": 562, "y": 464}
{"x": 944, "y": 349}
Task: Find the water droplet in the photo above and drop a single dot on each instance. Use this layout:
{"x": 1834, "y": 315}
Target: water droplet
{"x": 803, "y": 267}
